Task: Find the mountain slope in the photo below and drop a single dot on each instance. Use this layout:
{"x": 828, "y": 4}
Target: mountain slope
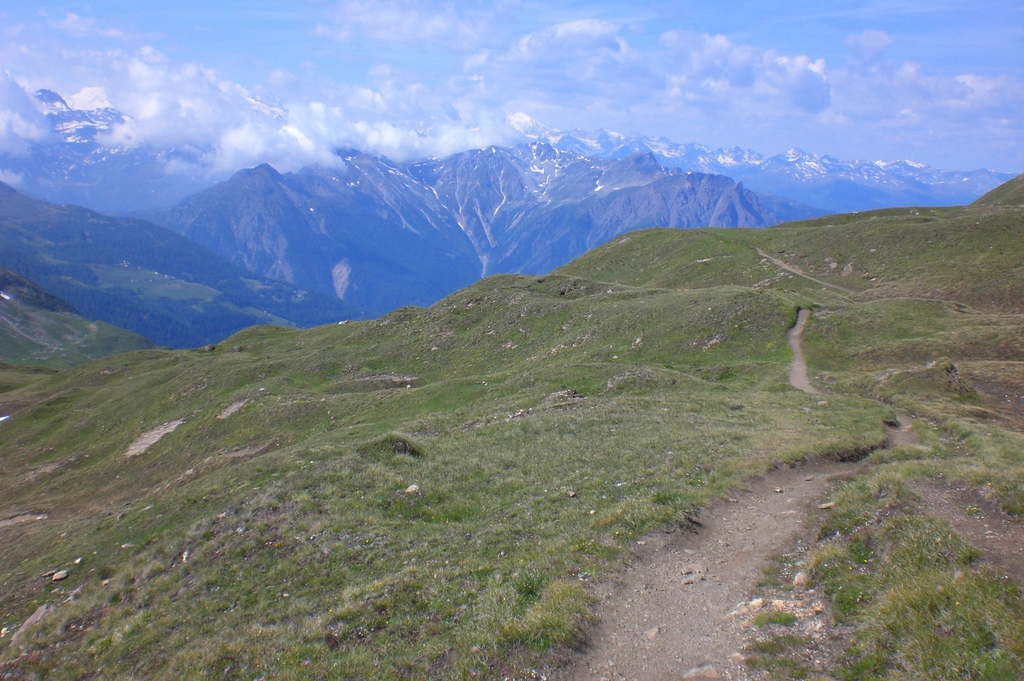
{"x": 381, "y": 234}
{"x": 77, "y": 164}
{"x": 145, "y": 278}
{"x": 367, "y": 234}
{"x": 433, "y": 494}
{"x": 1008, "y": 194}
{"x": 40, "y": 329}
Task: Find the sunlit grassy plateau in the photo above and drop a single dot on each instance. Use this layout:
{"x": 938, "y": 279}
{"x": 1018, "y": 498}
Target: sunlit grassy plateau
{"x": 429, "y": 494}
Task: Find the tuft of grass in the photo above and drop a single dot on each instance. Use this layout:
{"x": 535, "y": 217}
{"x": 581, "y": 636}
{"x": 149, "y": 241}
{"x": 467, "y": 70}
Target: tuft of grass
{"x": 779, "y": 617}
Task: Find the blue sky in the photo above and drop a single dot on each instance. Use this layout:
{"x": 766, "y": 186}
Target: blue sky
{"x": 938, "y": 82}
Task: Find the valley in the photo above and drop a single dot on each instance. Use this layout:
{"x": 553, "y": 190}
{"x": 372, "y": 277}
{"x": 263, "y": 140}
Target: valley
{"x": 145, "y": 279}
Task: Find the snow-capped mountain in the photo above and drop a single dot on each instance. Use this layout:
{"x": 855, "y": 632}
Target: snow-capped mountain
{"x": 381, "y": 234}
{"x": 821, "y": 181}
{"x": 80, "y": 163}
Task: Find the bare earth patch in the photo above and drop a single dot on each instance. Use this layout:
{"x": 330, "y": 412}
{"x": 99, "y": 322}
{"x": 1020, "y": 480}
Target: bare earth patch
{"x": 683, "y": 608}
{"x": 900, "y": 433}
{"x": 150, "y": 438}
{"x": 24, "y": 518}
{"x": 232, "y": 408}
{"x": 979, "y": 520}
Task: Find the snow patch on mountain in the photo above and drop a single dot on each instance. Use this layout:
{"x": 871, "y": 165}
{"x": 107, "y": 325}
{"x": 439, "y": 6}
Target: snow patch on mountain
{"x": 818, "y": 180}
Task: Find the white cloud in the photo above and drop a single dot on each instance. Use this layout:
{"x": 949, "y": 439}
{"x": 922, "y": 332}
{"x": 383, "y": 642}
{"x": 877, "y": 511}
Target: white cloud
{"x": 21, "y": 121}
{"x": 587, "y": 72}
{"x": 10, "y": 177}
{"x": 712, "y": 73}
{"x": 80, "y": 27}
{"x": 397, "y": 21}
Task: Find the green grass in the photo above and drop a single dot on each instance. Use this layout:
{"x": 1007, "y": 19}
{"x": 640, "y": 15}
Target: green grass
{"x": 392, "y": 500}
{"x": 780, "y": 617}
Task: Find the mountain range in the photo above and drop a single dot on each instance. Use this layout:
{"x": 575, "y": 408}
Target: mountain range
{"x": 823, "y": 181}
{"x": 382, "y": 234}
{"x": 81, "y": 162}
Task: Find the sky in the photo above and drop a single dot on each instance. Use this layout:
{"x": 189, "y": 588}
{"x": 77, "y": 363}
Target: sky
{"x": 288, "y": 82}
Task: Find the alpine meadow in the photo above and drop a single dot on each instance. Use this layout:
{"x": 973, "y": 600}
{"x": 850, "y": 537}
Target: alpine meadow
{"x": 443, "y": 492}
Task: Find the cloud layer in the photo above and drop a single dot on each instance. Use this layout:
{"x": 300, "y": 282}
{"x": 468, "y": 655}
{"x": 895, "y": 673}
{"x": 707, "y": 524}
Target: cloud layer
{"x": 485, "y": 62}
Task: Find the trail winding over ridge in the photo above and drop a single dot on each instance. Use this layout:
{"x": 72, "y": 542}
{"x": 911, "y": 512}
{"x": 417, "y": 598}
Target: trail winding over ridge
{"x": 673, "y": 614}
{"x": 798, "y": 369}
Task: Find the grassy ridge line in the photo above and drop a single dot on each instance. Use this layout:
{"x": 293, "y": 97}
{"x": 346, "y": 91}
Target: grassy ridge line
{"x": 969, "y": 255}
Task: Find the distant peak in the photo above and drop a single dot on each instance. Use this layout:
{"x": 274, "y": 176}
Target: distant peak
{"x": 51, "y": 99}
{"x": 526, "y": 125}
{"x": 89, "y": 99}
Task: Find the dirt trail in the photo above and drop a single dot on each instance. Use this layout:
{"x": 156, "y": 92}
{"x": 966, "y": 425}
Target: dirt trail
{"x": 798, "y": 370}
{"x": 793, "y": 269}
{"x": 900, "y": 434}
{"x": 668, "y": 615}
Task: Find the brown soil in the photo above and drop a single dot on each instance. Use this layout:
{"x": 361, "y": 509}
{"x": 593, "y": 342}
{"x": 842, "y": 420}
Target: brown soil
{"x": 979, "y": 520}
{"x": 24, "y": 518}
{"x": 900, "y": 433}
{"x": 1001, "y": 385}
{"x": 681, "y": 609}
{"x": 150, "y": 438}
{"x": 798, "y": 370}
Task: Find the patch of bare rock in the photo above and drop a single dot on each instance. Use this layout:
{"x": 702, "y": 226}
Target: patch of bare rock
{"x": 150, "y": 438}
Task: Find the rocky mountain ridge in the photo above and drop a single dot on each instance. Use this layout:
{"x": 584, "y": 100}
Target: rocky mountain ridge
{"x": 381, "y": 234}
{"x": 817, "y": 180}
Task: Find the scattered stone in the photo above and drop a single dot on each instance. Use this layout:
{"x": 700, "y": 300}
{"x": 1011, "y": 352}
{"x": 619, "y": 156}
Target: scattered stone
{"x": 779, "y": 490}
{"x": 693, "y": 573}
{"x": 809, "y": 478}
{"x": 652, "y": 633}
{"x": 799, "y": 579}
{"x": 747, "y": 608}
{"x": 78, "y": 561}
{"x": 822, "y": 403}
{"x": 412, "y": 489}
{"x": 41, "y": 613}
{"x": 829, "y": 504}
{"x": 59, "y": 575}
{"x": 571, "y": 493}
{"x": 705, "y": 672}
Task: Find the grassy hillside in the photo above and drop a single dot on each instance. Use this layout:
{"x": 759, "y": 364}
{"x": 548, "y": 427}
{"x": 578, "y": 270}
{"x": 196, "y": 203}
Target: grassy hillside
{"x": 1007, "y": 194}
{"x": 430, "y": 494}
{"x": 38, "y": 328}
{"x": 145, "y": 278}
